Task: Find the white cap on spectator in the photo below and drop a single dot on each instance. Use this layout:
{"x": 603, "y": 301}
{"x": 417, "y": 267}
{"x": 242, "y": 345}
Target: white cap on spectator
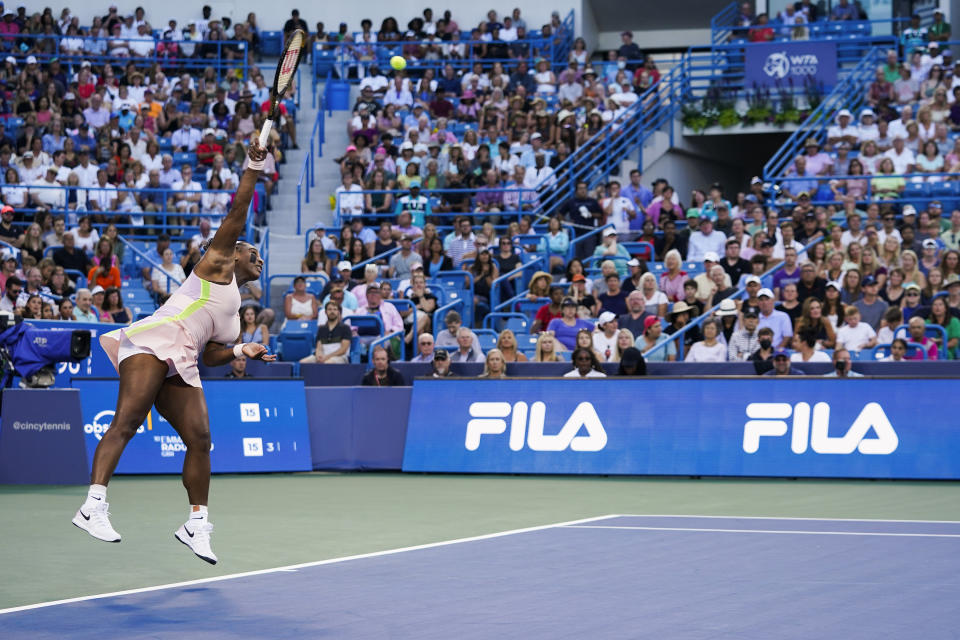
{"x": 344, "y": 265}
{"x": 756, "y": 180}
{"x": 11, "y": 60}
{"x": 97, "y": 289}
{"x": 835, "y": 284}
{"x": 606, "y": 317}
{"x": 929, "y": 243}
{"x": 843, "y": 112}
{"x": 8, "y": 254}
{"x": 633, "y": 262}
{"x": 711, "y": 256}
{"x": 752, "y": 279}
{"x": 406, "y": 145}
{"x": 609, "y": 231}
{"x": 31, "y": 59}
{"x": 536, "y": 136}
{"x": 209, "y": 132}
{"x": 69, "y": 95}
{"x": 28, "y": 154}
{"x": 909, "y": 210}
{"x": 765, "y": 292}
{"x": 85, "y": 63}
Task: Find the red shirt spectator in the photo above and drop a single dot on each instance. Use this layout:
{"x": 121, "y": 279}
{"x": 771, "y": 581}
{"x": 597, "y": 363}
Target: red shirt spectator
{"x": 549, "y": 311}
{"x": 762, "y": 32}
{"x": 208, "y": 148}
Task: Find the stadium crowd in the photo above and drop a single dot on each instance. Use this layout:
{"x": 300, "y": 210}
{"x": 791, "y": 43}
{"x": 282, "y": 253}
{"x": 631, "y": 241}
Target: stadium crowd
{"x": 442, "y": 174}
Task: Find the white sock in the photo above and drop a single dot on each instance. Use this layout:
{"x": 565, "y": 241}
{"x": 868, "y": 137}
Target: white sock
{"x": 96, "y": 494}
{"x": 199, "y": 514}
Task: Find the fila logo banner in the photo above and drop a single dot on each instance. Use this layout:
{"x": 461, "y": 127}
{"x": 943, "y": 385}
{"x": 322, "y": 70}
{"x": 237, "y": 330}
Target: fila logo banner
{"x": 769, "y": 419}
{"x": 489, "y": 418}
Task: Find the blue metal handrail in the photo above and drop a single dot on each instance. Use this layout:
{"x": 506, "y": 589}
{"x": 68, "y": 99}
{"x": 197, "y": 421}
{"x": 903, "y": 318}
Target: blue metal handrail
{"x": 495, "y": 286}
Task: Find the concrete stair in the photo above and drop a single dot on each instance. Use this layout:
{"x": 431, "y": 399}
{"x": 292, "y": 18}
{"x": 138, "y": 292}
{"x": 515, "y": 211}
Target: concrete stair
{"x": 286, "y": 246}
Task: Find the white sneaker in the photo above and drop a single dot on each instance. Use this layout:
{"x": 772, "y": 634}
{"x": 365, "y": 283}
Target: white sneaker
{"x": 95, "y": 520}
{"x": 196, "y": 535}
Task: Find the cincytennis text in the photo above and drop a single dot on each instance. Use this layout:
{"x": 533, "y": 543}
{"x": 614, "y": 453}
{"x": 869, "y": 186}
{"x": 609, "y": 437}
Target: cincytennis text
{"x": 41, "y": 426}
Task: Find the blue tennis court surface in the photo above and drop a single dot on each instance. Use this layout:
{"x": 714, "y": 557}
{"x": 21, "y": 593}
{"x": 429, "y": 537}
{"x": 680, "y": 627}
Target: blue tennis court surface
{"x": 676, "y": 577}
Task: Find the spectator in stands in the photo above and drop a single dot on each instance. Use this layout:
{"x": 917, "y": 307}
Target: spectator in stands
{"x": 651, "y": 337}
{"x": 705, "y": 240}
{"x": 463, "y": 246}
{"x": 585, "y": 213}
{"x": 465, "y": 350}
{"x": 898, "y": 351}
{"x": 448, "y": 338}
{"x": 854, "y": 334}
{"x": 632, "y": 363}
{"x": 507, "y": 345}
{"x": 844, "y": 10}
{"x": 679, "y": 317}
{"x": 382, "y": 374}
{"x": 250, "y": 329}
{"x": 871, "y": 306}
{"x": 604, "y": 339}
{"x": 710, "y": 349}
{"x": 842, "y": 365}
{"x": 547, "y": 348}
{"x": 585, "y": 365}
{"x": 494, "y": 365}
{"x": 744, "y": 342}
{"x": 778, "y": 321}
{"x": 70, "y": 257}
{"x": 615, "y": 299}
{"x": 762, "y": 358}
{"x": 333, "y": 338}
{"x": 166, "y": 278}
{"x": 568, "y": 325}
{"x": 635, "y": 318}
{"x": 732, "y": 263}
{"x": 940, "y": 315}
{"x": 549, "y": 311}
{"x": 611, "y": 249}
{"x": 805, "y": 346}
{"x": 300, "y": 304}
{"x": 84, "y": 310}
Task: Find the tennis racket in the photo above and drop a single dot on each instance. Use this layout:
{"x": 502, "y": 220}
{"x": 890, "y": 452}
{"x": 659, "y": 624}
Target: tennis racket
{"x": 286, "y": 68}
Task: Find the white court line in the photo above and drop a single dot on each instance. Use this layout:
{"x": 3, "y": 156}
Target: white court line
{"x": 294, "y": 567}
{"x": 782, "y": 531}
{"x": 687, "y": 515}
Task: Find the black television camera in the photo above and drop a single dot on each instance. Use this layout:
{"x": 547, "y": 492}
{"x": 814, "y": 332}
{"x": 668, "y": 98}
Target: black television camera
{"x": 33, "y": 353}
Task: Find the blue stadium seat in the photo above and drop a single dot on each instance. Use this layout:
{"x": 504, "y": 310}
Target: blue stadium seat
{"x": 271, "y": 43}
{"x": 487, "y": 338}
{"x": 183, "y": 158}
{"x": 291, "y": 347}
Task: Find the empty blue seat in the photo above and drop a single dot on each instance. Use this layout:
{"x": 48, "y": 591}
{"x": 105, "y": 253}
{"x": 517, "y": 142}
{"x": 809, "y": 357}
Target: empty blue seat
{"x": 271, "y": 43}
{"x": 291, "y": 347}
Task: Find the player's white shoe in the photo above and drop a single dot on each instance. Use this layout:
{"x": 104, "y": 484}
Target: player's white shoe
{"x": 95, "y": 520}
{"x": 195, "y": 534}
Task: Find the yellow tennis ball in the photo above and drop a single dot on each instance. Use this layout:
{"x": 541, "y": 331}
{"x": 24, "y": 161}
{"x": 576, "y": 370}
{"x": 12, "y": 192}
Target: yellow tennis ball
{"x": 398, "y": 63}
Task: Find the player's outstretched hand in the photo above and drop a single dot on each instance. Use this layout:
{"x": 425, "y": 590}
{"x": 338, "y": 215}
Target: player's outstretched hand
{"x": 255, "y": 152}
{"x": 257, "y": 351}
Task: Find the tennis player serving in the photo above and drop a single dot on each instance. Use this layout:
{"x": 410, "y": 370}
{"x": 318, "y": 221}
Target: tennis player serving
{"x": 157, "y": 361}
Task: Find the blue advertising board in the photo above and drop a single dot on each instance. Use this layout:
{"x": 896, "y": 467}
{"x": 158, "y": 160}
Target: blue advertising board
{"x": 255, "y": 425}
{"x": 41, "y": 438}
{"x": 789, "y": 427}
{"x": 791, "y": 64}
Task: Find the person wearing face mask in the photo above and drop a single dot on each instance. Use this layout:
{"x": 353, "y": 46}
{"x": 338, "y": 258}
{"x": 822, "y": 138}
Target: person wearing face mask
{"x": 762, "y": 358}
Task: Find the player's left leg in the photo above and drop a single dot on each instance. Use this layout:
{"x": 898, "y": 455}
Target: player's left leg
{"x": 185, "y": 408}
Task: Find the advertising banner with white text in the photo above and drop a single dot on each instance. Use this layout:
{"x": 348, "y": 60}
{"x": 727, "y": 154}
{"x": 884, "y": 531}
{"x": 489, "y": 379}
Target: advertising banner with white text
{"x": 790, "y": 427}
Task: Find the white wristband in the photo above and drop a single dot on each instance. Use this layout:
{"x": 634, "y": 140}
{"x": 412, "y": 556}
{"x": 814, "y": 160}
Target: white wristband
{"x": 256, "y": 165}
{"x": 238, "y": 350}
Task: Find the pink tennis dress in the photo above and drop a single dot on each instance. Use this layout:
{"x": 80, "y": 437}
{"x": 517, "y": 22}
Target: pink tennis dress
{"x": 197, "y": 313}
